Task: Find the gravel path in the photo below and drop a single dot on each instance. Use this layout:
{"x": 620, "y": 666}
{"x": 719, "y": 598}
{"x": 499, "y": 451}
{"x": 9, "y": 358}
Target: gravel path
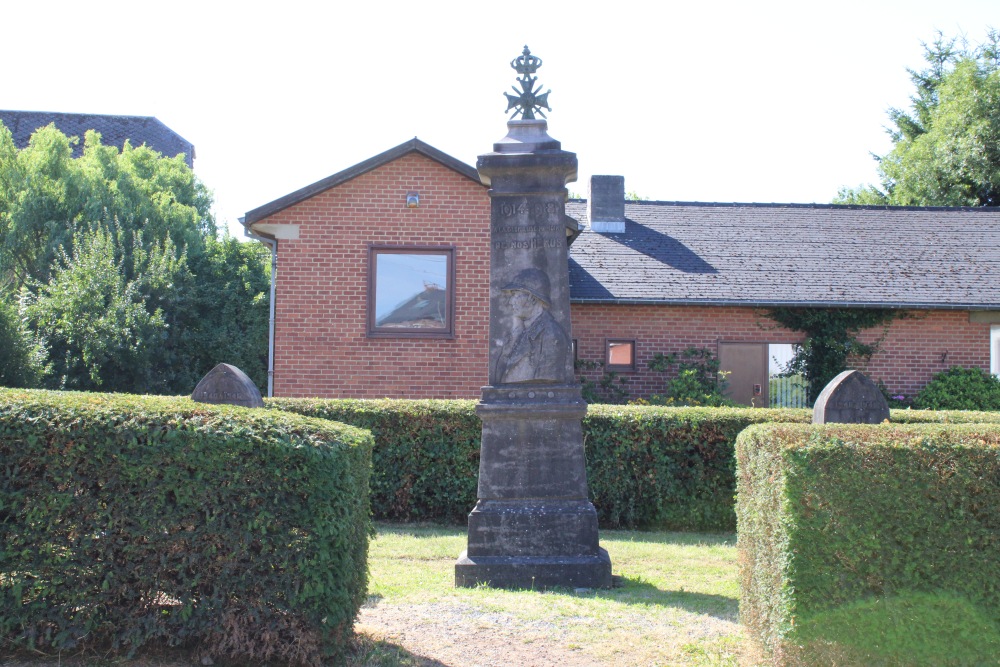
{"x": 462, "y": 636}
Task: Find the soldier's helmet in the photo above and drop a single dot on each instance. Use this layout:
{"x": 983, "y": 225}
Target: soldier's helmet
{"x": 533, "y": 281}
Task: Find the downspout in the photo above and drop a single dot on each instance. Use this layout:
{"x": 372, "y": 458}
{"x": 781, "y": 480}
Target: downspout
{"x": 270, "y": 328}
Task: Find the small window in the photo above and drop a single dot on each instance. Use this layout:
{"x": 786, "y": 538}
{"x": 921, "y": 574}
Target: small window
{"x": 411, "y": 292}
{"x": 620, "y": 355}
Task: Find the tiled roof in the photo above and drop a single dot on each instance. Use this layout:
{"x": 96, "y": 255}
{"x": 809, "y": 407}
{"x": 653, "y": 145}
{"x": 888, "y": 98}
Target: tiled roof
{"x": 114, "y": 130}
{"x": 791, "y": 254}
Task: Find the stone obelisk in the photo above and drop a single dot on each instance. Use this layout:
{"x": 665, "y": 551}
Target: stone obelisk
{"x": 533, "y": 525}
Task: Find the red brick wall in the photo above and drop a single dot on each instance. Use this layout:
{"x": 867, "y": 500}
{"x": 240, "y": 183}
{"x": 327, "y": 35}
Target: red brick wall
{"x": 911, "y": 351}
{"x": 926, "y": 343}
{"x": 321, "y": 347}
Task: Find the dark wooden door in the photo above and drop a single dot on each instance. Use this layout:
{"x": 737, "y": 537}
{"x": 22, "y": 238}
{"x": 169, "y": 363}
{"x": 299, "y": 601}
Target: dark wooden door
{"x": 746, "y": 365}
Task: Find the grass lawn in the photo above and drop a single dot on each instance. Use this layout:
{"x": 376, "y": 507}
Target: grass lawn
{"x": 677, "y": 604}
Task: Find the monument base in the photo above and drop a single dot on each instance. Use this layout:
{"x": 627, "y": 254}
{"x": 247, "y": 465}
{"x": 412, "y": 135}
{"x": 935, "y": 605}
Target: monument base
{"x": 533, "y": 544}
{"x": 534, "y": 572}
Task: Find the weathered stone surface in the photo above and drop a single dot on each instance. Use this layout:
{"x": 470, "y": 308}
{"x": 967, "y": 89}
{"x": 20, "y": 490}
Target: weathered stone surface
{"x": 533, "y": 525}
{"x": 534, "y": 572}
{"x": 850, "y": 398}
{"x": 228, "y": 385}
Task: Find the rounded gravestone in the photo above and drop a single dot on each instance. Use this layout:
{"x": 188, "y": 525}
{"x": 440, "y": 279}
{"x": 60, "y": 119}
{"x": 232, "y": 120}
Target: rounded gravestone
{"x": 228, "y": 385}
{"x": 851, "y": 398}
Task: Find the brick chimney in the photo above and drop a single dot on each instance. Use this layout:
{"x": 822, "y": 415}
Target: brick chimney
{"x": 606, "y": 204}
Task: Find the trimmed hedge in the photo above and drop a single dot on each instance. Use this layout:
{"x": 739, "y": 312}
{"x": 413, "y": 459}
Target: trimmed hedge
{"x": 127, "y": 519}
{"x": 944, "y": 417}
{"x": 647, "y": 466}
{"x": 426, "y": 460}
{"x": 852, "y": 532}
{"x": 669, "y": 468}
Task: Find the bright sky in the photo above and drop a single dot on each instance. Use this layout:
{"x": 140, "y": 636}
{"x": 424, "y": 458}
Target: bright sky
{"x": 693, "y": 101}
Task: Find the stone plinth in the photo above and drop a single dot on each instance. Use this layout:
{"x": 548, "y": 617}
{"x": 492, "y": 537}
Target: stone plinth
{"x": 533, "y": 525}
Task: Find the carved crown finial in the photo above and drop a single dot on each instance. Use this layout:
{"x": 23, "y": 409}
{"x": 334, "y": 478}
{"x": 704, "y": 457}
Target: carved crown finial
{"x": 527, "y": 102}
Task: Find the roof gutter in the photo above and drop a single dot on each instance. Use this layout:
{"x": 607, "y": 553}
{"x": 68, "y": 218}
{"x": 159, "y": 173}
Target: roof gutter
{"x": 273, "y": 243}
{"x": 785, "y": 304}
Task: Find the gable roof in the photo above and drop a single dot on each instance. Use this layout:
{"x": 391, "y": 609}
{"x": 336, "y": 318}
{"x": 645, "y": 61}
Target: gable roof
{"x": 414, "y": 145}
{"x": 774, "y": 255}
{"x": 115, "y": 130}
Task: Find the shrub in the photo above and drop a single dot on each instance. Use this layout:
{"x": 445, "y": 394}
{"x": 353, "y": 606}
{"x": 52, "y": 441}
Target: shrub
{"x": 646, "y": 466}
{"x": 960, "y": 389}
{"x": 670, "y": 468}
{"x": 609, "y": 388}
{"x": 22, "y": 357}
{"x": 127, "y": 519}
{"x": 901, "y": 522}
{"x": 697, "y": 379}
{"x": 426, "y": 460}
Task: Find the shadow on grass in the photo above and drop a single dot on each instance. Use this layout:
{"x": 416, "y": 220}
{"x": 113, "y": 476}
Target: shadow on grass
{"x": 370, "y": 652}
{"x": 636, "y": 591}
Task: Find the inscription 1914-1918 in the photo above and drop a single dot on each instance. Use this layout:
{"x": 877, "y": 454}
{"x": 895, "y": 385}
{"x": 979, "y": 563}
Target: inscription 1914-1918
{"x": 510, "y": 209}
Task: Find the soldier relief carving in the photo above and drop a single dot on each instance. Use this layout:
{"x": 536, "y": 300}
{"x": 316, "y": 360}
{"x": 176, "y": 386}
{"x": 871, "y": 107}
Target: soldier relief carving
{"x": 534, "y": 349}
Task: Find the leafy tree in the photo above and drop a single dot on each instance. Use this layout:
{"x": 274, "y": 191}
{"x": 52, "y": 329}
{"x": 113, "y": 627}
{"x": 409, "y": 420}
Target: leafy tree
{"x": 121, "y": 277}
{"x": 22, "y": 356}
{"x": 99, "y": 331}
{"x": 946, "y": 151}
{"x": 224, "y": 317}
{"x": 45, "y": 194}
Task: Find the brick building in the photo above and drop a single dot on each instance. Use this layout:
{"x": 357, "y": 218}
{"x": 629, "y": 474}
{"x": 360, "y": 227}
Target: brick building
{"x": 382, "y": 288}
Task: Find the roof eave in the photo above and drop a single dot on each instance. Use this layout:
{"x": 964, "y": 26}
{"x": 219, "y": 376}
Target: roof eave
{"x": 786, "y": 304}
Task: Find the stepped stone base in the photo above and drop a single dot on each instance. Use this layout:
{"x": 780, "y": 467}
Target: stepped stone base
{"x": 534, "y": 573}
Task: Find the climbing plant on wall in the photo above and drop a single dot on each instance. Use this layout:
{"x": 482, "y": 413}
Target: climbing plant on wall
{"x": 831, "y": 337}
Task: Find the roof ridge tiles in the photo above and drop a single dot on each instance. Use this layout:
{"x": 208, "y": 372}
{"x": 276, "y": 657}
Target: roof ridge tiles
{"x": 800, "y": 205}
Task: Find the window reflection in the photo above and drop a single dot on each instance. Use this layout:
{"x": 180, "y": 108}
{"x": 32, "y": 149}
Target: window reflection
{"x": 411, "y": 290}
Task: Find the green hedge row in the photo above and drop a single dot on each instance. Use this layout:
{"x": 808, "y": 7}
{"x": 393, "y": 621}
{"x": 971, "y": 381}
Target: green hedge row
{"x": 670, "y": 468}
{"x": 647, "y": 466}
{"x": 426, "y": 460}
{"x": 127, "y": 519}
{"x": 871, "y": 544}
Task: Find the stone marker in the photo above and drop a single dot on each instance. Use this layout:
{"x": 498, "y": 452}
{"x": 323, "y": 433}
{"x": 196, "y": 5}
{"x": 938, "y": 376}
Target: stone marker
{"x": 228, "y": 384}
{"x": 850, "y": 398}
{"x": 533, "y": 525}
